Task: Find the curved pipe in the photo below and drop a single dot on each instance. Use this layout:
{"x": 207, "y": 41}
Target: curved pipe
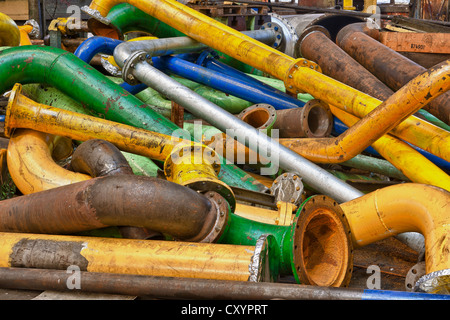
{"x": 121, "y": 200}
{"x": 9, "y": 32}
{"x": 31, "y": 164}
{"x": 99, "y": 158}
{"x": 396, "y": 209}
{"x": 413, "y": 96}
{"x": 243, "y": 48}
{"x": 124, "y": 18}
{"x": 66, "y": 72}
{"x": 389, "y": 66}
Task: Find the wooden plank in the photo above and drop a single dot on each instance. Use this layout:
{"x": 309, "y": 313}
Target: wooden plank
{"x": 16, "y": 10}
{"x": 417, "y": 42}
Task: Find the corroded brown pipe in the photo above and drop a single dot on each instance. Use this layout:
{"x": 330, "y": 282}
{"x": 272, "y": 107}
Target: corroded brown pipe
{"x": 121, "y": 200}
{"x": 386, "y": 64}
{"x": 316, "y": 45}
{"x": 98, "y": 158}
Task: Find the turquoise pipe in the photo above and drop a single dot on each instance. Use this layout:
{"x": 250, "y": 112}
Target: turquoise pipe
{"x": 81, "y": 82}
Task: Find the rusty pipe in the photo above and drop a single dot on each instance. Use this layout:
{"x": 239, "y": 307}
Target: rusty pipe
{"x": 98, "y": 158}
{"x": 315, "y": 44}
{"x": 122, "y": 200}
{"x": 386, "y": 64}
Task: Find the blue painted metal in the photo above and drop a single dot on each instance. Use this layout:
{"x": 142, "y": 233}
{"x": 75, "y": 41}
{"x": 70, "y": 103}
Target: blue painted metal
{"x": 401, "y": 295}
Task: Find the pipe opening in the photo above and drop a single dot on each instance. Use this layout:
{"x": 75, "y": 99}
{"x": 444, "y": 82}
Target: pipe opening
{"x": 318, "y": 122}
{"x": 322, "y": 244}
{"x": 258, "y": 118}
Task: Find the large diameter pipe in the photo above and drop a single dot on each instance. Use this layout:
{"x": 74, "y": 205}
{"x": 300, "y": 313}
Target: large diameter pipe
{"x": 397, "y": 209}
{"x": 204, "y": 109}
{"x": 9, "y": 32}
{"x": 63, "y": 70}
{"x": 122, "y": 200}
{"x": 243, "y": 48}
{"x": 189, "y": 288}
{"x": 317, "y": 46}
{"x": 389, "y": 66}
{"x": 139, "y": 257}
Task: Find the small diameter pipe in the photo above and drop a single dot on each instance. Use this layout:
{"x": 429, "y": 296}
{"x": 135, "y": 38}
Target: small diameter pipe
{"x": 66, "y": 72}
{"x": 389, "y": 66}
{"x": 190, "y": 288}
{"x": 139, "y": 257}
{"x": 122, "y": 200}
{"x": 204, "y": 109}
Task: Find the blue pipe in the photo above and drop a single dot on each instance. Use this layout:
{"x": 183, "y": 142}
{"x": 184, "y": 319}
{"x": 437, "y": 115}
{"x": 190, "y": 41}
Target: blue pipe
{"x": 225, "y": 83}
{"x": 94, "y": 45}
{"x": 400, "y": 295}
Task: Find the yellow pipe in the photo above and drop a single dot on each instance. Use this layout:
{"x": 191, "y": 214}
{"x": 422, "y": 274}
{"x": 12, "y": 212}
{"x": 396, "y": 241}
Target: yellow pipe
{"x": 31, "y": 164}
{"x": 24, "y": 35}
{"x": 143, "y": 257}
{"x": 412, "y": 164}
{"x": 9, "y": 32}
{"x": 23, "y": 112}
{"x": 410, "y": 98}
{"x": 408, "y": 207}
{"x": 297, "y": 74}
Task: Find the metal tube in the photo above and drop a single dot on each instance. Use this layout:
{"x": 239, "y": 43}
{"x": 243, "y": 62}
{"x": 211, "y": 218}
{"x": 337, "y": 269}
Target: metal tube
{"x": 63, "y": 70}
{"x": 139, "y": 257}
{"x": 189, "y": 288}
{"x": 388, "y": 65}
{"x": 122, "y": 200}
{"x": 292, "y": 71}
{"x": 204, "y": 109}
{"x": 31, "y": 164}
{"x": 9, "y": 32}
{"x": 297, "y": 242}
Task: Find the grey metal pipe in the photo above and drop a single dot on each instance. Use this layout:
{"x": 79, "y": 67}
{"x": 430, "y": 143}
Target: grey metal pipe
{"x": 189, "y": 288}
{"x": 138, "y": 67}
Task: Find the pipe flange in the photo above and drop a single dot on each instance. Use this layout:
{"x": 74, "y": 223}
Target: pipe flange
{"x": 263, "y": 266}
{"x": 288, "y": 187}
{"x": 317, "y": 119}
{"x": 414, "y": 274}
{"x": 130, "y": 64}
{"x": 262, "y": 116}
{"x": 295, "y": 66}
{"x": 290, "y": 37}
{"x": 221, "y": 209}
{"x": 437, "y": 282}
{"x": 95, "y": 14}
{"x": 321, "y": 223}
{"x": 277, "y": 30}
{"x": 36, "y": 31}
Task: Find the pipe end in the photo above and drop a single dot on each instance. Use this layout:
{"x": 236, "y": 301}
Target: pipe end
{"x": 323, "y": 249}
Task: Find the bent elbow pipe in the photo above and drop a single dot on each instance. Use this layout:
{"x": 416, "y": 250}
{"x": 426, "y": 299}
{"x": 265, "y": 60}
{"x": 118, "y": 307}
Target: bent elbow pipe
{"x": 401, "y": 208}
{"x": 99, "y": 158}
{"x": 120, "y": 200}
{"x": 9, "y": 32}
{"x": 413, "y": 96}
{"x": 31, "y": 164}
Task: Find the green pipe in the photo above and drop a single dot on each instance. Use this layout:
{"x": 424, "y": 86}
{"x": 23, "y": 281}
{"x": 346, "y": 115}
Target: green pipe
{"x": 53, "y": 97}
{"x": 292, "y": 239}
{"x": 66, "y": 72}
{"x": 434, "y": 120}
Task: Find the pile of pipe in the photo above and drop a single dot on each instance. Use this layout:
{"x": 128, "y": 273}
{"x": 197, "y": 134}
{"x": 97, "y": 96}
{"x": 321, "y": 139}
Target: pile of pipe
{"x": 204, "y": 162}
